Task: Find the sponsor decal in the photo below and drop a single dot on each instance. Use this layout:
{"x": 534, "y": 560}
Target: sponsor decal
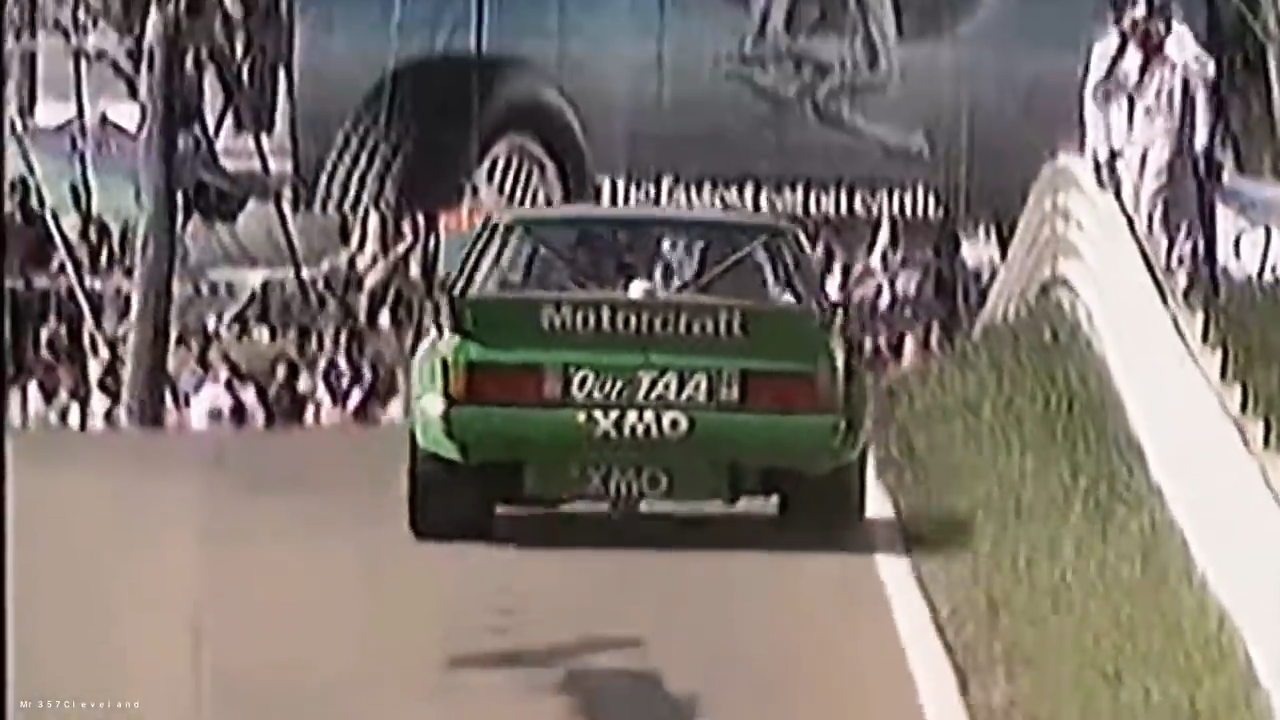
{"x": 586, "y": 386}
{"x": 606, "y": 319}
{"x": 618, "y": 482}
{"x": 608, "y": 424}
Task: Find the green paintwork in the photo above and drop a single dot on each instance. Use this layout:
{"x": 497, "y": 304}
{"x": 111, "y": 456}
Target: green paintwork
{"x": 550, "y": 441}
{"x": 555, "y": 435}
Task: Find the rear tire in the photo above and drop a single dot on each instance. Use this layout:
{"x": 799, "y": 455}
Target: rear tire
{"x": 447, "y": 501}
{"x": 417, "y": 143}
{"x": 414, "y": 143}
{"x": 833, "y": 501}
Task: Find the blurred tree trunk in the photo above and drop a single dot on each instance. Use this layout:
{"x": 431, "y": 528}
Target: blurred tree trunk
{"x": 20, "y": 55}
{"x": 151, "y": 312}
{"x": 1249, "y": 55}
{"x": 1270, "y": 21}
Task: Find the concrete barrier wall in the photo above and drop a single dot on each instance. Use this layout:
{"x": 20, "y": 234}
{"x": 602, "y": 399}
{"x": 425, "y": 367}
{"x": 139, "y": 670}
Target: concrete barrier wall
{"x": 1073, "y": 240}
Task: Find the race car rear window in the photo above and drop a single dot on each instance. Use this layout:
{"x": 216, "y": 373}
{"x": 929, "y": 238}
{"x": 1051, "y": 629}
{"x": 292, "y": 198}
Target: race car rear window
{"x": 753, "y": 262}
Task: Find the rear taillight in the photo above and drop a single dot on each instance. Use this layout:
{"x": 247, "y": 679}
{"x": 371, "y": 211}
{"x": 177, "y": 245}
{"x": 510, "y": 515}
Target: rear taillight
{"x": 497, "y": 384}
{"x": 782, "y": 392}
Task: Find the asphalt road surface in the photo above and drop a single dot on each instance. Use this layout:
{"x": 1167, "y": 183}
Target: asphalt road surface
{"x": 271, "y": 577}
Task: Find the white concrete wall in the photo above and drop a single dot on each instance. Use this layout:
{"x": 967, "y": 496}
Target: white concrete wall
{"x": 1214, "y": 482}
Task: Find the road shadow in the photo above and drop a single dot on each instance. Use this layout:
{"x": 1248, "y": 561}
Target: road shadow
{"x": 598, "y": 693}
{"x": 543, "y": 656}
{"x": 760, "y": 533}
{"x": 625, "y": 694}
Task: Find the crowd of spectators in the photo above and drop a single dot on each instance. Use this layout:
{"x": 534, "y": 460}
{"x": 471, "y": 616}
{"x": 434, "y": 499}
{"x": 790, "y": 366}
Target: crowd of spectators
{"x": 64, "y": 369}
{"x": 67, "y": 285}
{"x": 302, "y": 379}
{"x": 908, "y": 286}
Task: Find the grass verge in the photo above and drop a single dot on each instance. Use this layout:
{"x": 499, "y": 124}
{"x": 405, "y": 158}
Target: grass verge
{"x": 1075, "y": 598}
{"x": 1246, "y": 320}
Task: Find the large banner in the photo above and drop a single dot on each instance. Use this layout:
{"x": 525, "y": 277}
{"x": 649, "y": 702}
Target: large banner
{"x": 829, "y": 106}
{"x": 901, "y": 134}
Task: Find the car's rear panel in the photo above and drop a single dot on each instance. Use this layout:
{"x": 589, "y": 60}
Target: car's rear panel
{"x": 697, "y": 391}
{"x": 679, "y": 326}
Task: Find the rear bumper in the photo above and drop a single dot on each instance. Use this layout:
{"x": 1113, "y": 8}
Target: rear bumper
{"x": 807, "y": 443}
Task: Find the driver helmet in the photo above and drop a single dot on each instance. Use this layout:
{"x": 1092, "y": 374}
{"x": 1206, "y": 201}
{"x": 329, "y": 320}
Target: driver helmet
{"x": 634, "y": 256}
{"x": 588, "y": 256}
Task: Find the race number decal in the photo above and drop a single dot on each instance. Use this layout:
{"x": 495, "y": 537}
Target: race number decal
{"x": 615, "y": 482}
{"x": 670, "y": 387}
{"x": 695, "y": 388}
{"x": 588, "y": 387}
{"x": 617, "y": 424}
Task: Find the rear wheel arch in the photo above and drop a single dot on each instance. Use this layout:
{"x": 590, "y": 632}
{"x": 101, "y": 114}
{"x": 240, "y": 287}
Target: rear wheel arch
{"x": 428, "y": 398}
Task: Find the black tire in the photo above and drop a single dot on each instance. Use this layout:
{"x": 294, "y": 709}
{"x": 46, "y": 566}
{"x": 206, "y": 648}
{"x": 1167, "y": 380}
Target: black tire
{"x": 416, "y": 138}
{"x": 215, "y": 204}
{"x": 833, "y": 501}
{"x": 447, "y": 501}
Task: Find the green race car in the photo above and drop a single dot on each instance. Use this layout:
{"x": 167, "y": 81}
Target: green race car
{"x": 625, "y": 355}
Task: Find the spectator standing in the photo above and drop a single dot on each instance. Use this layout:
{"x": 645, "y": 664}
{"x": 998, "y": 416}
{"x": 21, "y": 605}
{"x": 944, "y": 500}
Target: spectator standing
{"x": 249, "y": 395}
{"x": 286, "y": 403}
{"x": 29, "y": 246}
{"x": 47, "y": 402}
{"x": 213, "y": 404}
{"x": 103, "y": 409}
{"x": 1148, "y": 124}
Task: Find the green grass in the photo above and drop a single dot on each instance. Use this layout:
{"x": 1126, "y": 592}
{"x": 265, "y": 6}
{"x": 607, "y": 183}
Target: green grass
{"x": 1073, "y": 597}
{"x": 1247, "y": 322}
